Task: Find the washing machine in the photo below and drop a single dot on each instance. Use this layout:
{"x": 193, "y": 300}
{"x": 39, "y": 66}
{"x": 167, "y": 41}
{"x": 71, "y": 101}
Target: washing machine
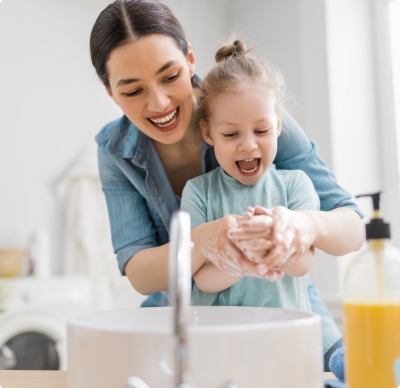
{"x": 33, "y": 320}
{"x": 35, "y": 313}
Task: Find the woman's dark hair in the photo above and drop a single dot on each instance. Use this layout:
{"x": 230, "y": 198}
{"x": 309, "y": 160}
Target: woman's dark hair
{"x": 125, "y": 21}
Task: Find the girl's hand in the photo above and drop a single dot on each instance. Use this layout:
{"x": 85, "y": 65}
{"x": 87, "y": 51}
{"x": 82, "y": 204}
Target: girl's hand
{"x": 255, "y": 241}
{"x": 276, "y": 243}
{"x": 213, "y": 244}
{"x": 253, "y": 234}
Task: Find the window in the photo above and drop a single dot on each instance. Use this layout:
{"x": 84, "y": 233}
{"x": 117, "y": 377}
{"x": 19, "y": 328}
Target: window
{"x": 394, "y": 28}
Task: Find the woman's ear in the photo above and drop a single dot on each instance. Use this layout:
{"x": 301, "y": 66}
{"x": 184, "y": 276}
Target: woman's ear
{"x": 109, "y": 92}
{"x": 191, "y": 59}
{"x": 205, "y": 130}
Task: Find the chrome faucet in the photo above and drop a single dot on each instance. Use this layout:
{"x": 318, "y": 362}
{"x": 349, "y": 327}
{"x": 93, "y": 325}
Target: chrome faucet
{"x": 180, "y": 289}
{"x": 180, "y": 294}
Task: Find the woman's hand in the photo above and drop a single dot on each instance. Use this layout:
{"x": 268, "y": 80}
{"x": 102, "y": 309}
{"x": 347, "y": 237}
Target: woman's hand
{"x": 211, "y": 242}
{"x": 275, "y": 237}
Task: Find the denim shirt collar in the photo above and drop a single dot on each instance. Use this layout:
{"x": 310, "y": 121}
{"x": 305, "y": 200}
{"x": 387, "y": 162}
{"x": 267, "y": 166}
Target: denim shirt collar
{"x": 139, "y": 148}
{"x": 136, "y": 146}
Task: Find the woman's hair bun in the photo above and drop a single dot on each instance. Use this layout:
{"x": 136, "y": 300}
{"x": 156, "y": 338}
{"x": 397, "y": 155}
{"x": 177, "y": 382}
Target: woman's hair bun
{"x": 235, "y": 49}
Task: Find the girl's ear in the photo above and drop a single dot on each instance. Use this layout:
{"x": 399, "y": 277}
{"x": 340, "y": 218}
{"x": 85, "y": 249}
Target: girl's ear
{"x": 191, "y": 59}
{"x": 279, "y": 125}
{"x": 205, "y": 130}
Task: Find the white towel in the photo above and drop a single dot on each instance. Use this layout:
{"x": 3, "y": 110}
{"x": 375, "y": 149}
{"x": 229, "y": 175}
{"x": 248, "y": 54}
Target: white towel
{"x": 87, "y": 238}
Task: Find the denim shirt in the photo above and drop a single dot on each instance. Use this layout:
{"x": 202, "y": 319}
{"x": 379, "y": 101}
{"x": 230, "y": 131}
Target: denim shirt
{"x": 140, "y": 198}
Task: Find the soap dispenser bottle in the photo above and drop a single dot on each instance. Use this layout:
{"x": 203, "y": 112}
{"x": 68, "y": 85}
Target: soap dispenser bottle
{"x": 371, "y": 296}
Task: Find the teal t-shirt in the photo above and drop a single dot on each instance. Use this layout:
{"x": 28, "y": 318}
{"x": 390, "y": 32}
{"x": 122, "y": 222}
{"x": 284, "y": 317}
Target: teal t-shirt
{"x": 213, "y": 195}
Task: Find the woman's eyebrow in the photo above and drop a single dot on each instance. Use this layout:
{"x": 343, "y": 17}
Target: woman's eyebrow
{"x": 166, "y": 66}
{"x": 127, "y": 81}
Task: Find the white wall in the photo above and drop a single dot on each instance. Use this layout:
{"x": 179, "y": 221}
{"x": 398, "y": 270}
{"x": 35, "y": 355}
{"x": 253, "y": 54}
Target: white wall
{"x": 51, "y": 106}
{"x": 52, "y": 103}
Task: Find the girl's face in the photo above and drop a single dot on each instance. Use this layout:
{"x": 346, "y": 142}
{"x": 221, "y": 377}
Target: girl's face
{"x": 150, "y": 81}
{"x": 243, "y": 128}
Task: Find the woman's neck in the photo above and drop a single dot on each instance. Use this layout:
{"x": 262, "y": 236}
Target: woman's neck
{"x": 192, "y": 138}
{"x": 182, "y": 160}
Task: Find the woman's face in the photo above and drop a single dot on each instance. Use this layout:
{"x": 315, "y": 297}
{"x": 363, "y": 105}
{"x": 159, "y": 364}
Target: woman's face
{"x": 150, "y": 80}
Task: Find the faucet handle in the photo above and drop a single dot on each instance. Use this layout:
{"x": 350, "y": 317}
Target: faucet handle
{"x": 136, "y": 382}
{"x": 230, "y": 384}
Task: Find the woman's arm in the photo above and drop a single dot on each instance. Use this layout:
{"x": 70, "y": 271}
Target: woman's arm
{"x": 294, "y": 231}
{"x": 336, "y": 232}
{"x": 297, "y": 152}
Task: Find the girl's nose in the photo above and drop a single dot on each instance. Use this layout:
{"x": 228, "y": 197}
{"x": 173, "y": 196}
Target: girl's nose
{"x": 247, "y": 144}
{"x": 157, "y": 101}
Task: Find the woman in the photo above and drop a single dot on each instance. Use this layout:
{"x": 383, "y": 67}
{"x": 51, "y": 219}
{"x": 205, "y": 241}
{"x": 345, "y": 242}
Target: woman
{"x": 141, "y": 55}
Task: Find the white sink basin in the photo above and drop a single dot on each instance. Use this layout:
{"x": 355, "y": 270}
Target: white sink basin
{"x": 255, "y": 347}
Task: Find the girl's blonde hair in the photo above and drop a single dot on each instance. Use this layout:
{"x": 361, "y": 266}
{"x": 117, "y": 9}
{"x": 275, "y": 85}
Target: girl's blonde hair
{"x": 233, "y": 70}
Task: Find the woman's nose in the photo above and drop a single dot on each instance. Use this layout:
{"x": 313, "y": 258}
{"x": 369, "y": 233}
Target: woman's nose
{"x": 157, "y": 101}
{"x": 247, "y": 144}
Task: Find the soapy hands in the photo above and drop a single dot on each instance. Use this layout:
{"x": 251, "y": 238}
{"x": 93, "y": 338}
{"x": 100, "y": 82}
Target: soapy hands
{"x": 272, "y": 238}
{"x": 260, "y": 244}
{"x": 220, "y": 250}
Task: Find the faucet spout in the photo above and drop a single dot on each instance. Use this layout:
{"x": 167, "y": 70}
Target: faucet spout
{"x": 180, "y": 285}
{"x": 180, "y": 295}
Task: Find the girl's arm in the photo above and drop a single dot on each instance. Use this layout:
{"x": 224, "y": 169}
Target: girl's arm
{"x": 302, "y": 266}
{"x": 211, "y": 279}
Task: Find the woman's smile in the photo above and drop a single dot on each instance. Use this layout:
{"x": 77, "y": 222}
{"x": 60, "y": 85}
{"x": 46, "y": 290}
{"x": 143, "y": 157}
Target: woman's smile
{"x": 166, "y": 122}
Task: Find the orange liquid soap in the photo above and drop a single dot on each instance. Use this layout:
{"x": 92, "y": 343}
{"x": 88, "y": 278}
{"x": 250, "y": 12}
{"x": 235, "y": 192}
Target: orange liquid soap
{"x": 371, "y": 296}
{"x": 372, "y": 344}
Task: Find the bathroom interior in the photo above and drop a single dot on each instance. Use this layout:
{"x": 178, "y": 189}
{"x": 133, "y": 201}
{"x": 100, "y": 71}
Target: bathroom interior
{"x": 341, "y": 61}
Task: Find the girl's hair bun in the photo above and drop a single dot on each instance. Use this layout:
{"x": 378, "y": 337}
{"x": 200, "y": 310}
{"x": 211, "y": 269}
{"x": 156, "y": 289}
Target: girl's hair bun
{"x": 235, "y": 49}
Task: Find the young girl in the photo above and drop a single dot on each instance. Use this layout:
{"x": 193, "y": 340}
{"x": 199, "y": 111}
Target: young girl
{"x": 240, "y": 111}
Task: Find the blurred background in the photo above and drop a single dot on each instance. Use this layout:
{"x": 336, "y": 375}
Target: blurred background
{"x": 341, "y": 62}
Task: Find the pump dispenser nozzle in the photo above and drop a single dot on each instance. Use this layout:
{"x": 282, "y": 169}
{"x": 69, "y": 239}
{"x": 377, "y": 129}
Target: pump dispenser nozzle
{"x": 376, "y": 228}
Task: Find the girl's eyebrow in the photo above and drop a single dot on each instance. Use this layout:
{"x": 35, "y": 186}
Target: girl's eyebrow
{"x": 227, "y": 122}
{"x": 127, "y": 81}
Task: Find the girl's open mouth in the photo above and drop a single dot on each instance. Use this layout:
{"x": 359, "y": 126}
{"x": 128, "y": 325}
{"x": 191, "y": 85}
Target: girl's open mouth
{"x": 167, "y": 122}
{"x": 248, "y": 167}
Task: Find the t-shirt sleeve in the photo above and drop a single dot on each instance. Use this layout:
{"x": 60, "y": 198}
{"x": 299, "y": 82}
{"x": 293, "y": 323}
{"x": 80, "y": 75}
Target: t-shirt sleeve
{"x": 193, "y": 201}
{"x": 297, "y": 152}
{"x": 301, "y": 194}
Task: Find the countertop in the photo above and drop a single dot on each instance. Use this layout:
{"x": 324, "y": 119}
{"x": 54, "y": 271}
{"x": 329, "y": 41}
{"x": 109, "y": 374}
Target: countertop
{"x": 47, "y": 379}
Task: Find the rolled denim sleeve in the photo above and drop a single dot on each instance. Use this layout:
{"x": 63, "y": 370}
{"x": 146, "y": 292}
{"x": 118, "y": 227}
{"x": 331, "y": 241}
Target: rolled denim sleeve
{"x": 131, "y": 226}
{"x": 297, "y": 152}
